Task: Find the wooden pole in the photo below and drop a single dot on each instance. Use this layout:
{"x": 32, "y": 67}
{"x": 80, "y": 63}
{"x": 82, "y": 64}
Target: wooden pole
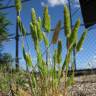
{"x": 17, "y": 44}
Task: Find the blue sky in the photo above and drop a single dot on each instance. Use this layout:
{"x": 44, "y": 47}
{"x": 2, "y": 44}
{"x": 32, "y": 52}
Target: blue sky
{"x": 56, "y": 8}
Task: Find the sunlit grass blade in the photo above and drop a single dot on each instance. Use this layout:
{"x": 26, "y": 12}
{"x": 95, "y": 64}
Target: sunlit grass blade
{"x": 46, "y": 23}
{"x": 66, "y": 61}
{"x": 67, "y": 22}
{"x": 45, "y": 40}
{"x": 56, "y": 32}
{"x": 21, "y": 26}
{"x": 33, "y": 16}
{"x": 18, "y": 5}
{"x": 73, "y": 36}
{"x": 27, "y": 57}
{"x": 34, "y": 32}
{"x": 81, "y": 41}
{"x": 59, "y": 52}
{"x": 39, "y": 31}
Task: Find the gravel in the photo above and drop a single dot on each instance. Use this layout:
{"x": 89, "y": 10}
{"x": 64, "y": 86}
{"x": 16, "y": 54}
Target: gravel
{"x": 83, "y": 86}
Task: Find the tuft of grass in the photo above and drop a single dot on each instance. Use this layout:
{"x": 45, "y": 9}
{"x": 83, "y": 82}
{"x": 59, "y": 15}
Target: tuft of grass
{"x": 45, "y": 78}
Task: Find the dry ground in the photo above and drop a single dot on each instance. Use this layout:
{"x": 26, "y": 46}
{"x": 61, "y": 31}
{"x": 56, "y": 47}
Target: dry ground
{"x": 84, "y": 86}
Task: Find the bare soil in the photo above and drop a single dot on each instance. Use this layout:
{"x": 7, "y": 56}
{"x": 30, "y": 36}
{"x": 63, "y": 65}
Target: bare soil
{"x": 83, "y": 86}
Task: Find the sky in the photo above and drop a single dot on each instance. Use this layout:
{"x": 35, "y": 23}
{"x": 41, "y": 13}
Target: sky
{"x": 85, "y": 58}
